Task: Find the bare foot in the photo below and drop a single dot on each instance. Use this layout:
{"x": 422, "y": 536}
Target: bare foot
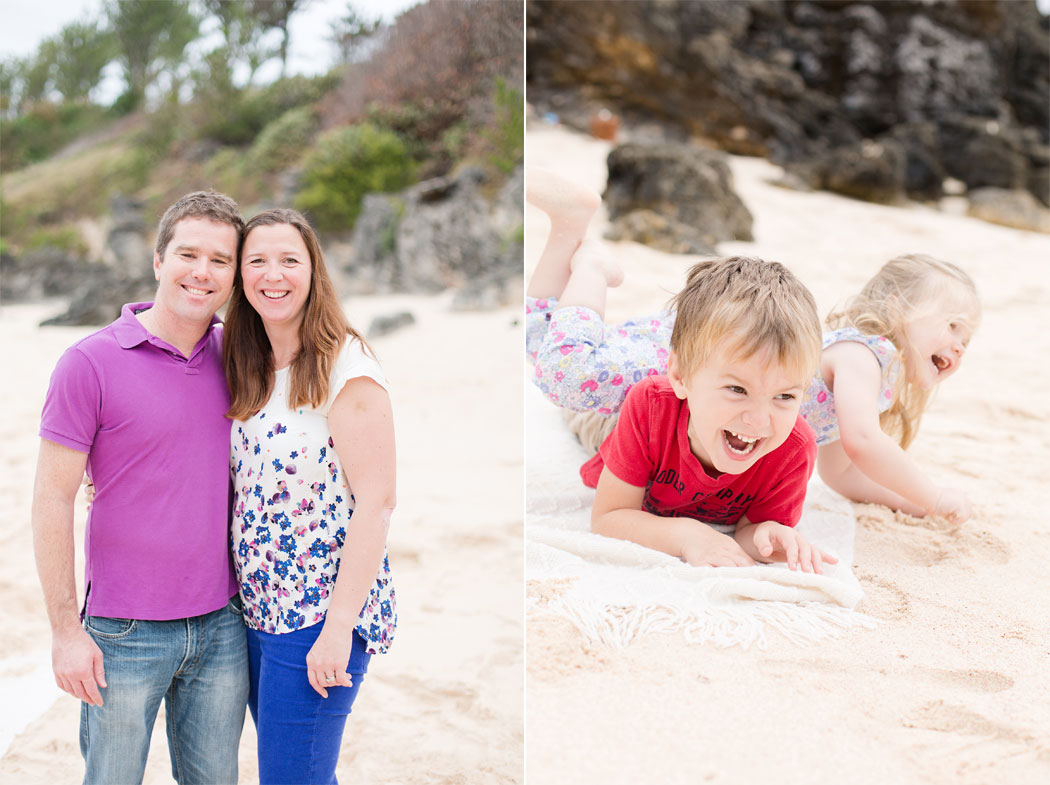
{"x": 561, "y": 199}
{"x": 570, "y": 208}
{"x": 595, "y": 255}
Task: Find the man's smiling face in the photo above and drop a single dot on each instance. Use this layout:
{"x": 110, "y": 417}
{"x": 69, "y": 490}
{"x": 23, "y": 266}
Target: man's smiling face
{"x": 195, "y": 275}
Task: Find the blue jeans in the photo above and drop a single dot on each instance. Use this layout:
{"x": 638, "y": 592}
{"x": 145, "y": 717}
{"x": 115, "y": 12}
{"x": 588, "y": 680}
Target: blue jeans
{"x": 198, "y": 666}
{"x": 299, "y": 731}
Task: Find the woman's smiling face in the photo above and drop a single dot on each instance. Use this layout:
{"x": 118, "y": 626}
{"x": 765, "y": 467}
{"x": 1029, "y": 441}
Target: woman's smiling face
{"x": 276, "y": 273}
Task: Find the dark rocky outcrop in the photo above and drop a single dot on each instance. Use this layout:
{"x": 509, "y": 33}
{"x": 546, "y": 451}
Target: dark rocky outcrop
{"x": 389, "y": 323}
{"x": 125, "y": 273}
{"x": 97, "y": 289}
{"x": 1017, "y": 209}
{"x": 37, "y": 274}
{"x": 955, "y": 88}
{"x": 674, "y": 197}
{"x": 873, "y": 171}
{"x": 100, "y": 300}
{"x": 447, "y": 232}
{"x": 458, "y": 233}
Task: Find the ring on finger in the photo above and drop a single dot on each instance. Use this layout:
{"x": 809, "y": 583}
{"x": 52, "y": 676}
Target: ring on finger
{"x": 329, "y": 679}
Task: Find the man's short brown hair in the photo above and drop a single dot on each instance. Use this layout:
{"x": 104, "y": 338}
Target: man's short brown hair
{"x": 200, "y": 204}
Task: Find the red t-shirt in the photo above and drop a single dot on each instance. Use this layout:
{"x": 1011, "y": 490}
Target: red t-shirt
{"x": 649, "y": 447}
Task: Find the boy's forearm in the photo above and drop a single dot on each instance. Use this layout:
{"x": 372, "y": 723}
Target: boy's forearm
{"x": 745, "y": 538}
{"x": 644, "y": 528}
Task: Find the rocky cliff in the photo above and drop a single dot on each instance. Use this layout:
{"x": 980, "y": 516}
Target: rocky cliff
{"x": 876, "y": 100}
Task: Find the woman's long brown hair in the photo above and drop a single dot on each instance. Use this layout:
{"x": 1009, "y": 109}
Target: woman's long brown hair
{"x": 246, "y": 352}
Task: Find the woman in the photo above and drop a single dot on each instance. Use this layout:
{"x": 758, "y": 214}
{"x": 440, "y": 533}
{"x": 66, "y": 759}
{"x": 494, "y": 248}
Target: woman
{"x": 312, "y": 450}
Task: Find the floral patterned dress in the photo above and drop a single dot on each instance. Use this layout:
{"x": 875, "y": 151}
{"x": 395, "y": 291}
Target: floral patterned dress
{"x": 291, "y": 509}
{"x": 586, "y": 365}
{"x": 818, "y": 403}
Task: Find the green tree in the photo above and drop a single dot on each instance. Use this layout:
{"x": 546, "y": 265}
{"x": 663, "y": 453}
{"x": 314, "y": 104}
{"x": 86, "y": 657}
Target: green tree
{"x": 150, "y": 36}
{"x": 506, "y": 136}
{"x": 8, "y": 83}
{"x": 350, "y": 31}
{"x": 346, "y": 164}
{"x": 243, "y": 32}
{"x": 275, "y": 15}
{"x": 83, "y": 50}
{"x": 36, "y": 74}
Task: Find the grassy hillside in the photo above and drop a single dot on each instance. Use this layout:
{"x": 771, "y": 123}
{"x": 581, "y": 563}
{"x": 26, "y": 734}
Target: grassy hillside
{"x": 410, "y": 111}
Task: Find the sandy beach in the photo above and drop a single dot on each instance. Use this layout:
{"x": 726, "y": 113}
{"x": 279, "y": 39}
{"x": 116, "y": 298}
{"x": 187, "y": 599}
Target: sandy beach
{"x": 952, "y": 686}
{"x": 445, "y": 705}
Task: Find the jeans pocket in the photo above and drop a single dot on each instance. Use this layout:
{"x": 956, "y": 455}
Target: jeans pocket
{"x": 235, "y": 605}
{"x": 110, "y": 628}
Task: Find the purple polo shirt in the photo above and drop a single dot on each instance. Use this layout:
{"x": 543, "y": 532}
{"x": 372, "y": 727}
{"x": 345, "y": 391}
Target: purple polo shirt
{"x": 153, "y": 425}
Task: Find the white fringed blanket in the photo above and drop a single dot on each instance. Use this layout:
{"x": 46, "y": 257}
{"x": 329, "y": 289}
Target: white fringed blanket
{"x": 615, "y": 591}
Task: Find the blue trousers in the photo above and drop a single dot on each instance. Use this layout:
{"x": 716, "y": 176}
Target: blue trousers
{"x": 197, "y": 667}
{"x": 299, "y": 731}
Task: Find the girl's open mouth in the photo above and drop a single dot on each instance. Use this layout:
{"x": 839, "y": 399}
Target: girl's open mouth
{"x": 941, "y": 363}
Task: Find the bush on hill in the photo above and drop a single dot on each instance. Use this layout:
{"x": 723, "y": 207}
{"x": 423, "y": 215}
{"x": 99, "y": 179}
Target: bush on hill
{"x": 346, "y": 164}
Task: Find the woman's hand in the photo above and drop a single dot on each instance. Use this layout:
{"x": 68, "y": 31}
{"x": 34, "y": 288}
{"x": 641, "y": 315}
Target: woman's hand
{"x": 328, "y": 658}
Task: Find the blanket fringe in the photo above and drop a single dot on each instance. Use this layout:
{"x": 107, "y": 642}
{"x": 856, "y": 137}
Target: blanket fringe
{"x": 617, "y": 626}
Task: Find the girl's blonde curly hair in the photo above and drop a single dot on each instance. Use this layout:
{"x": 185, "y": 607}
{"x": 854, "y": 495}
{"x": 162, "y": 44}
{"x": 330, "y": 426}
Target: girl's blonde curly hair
{"x": 906, "y": 287}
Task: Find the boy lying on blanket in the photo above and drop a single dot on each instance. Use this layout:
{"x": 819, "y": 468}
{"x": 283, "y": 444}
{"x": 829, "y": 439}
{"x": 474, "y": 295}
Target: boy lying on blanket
{"x": 719, "y": 439}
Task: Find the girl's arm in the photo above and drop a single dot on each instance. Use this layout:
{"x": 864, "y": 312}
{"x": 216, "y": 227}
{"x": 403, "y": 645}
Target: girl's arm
{"x": 362, "y": 427}
{"x": 839, "y": 473}
{"x": 618, "y": 513}
{"x": 887, "y": 474}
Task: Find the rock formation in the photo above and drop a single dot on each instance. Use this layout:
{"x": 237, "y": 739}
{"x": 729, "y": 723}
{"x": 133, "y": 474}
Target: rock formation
{"x": 957, "y": 88}
{"x": 439, "y": 234}
{"x": 674, "y": 197}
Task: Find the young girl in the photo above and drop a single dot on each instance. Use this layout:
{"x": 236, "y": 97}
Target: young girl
{"x": 312, "y": 450}
{"x": 904, "y": 333}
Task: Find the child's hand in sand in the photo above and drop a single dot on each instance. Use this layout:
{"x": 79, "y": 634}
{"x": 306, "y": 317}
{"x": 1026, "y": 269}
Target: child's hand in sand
{"x": 953, "y": 506}
{"x": 774, "y": 542}
{"x": 705, "y": 547}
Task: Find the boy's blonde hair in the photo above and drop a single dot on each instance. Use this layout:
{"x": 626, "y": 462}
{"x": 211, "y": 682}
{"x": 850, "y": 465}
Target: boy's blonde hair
{"x": 904, "y": 288}
{"x": 746, "y": 305}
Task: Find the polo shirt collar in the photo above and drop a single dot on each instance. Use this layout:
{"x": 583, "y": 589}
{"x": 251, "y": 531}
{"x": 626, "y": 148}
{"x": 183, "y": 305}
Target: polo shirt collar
{"x": 129, "y": 331}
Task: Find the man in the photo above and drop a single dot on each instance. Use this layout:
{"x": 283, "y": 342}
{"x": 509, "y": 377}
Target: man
{"x": 141, "y": 406}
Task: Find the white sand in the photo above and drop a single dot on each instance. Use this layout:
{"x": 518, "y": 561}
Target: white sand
{"x": 445, "y": 705}
{"x": 954, "y": 685}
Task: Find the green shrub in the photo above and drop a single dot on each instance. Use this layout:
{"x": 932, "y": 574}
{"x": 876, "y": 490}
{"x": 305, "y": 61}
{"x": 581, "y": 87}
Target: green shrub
{"x": 506, "y": 137}
{"x": 234, "y": 116}
{"x": 283, "y": 142}
{"x": 228, "y": 171}
{"x": 66, "y": 238}
{"x": 45, "y": 129}
{"x": 454, "y": 140}
{"x": 346, "y": 164}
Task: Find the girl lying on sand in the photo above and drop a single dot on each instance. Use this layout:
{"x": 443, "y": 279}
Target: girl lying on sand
{"x": 885, "y": 352}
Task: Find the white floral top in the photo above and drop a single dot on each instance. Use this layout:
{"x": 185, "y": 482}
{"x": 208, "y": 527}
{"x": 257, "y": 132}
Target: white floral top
{"x": 818, "y": 404}
{"x": 291, "y": 508}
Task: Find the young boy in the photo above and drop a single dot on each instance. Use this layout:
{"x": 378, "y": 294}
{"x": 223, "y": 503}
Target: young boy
{"x": 718, "y": 441}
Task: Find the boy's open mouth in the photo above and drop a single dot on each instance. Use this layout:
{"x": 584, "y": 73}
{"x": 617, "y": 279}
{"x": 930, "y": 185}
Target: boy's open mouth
{"x": 738, "y": 444}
